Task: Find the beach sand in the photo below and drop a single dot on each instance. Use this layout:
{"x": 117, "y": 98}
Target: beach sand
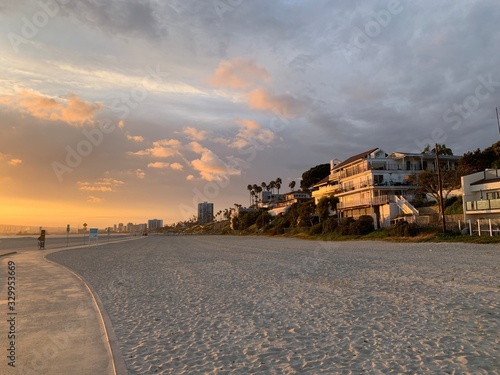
{"x": 242, "y": 305}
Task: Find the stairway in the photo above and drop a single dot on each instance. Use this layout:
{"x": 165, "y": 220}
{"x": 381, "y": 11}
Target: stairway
{"x": 405, "y": 206}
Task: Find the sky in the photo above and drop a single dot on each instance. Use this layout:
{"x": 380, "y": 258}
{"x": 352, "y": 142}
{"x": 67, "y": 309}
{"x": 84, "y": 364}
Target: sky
{"x": 127, "y": 110}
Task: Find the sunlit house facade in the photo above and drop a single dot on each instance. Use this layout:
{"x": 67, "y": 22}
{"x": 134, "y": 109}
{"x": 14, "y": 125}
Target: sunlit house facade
{"x": 481, "y": 195}
{"x": 377, "y": 184}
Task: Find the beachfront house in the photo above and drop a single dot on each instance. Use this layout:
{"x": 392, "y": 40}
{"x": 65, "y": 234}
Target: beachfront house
{"x": 481, "y": 196}
{"x": 377, "y": 184}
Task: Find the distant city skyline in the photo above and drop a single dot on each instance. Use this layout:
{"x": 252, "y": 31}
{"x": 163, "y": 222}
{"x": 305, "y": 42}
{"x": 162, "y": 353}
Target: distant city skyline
{"x": 124, "y": 109}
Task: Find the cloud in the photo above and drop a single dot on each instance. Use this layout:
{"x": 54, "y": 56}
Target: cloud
{"x": 189, "y": 177}
{"x": 192, "y": 133}
{"x": 238, "y": 73}
{"x": 196, "y": 147}
{"x": 140, "y": 174}
{"x": 212, "y": 168}
{"x": 135, "y": 138}
{"x": 163, "y": 148}
{"x": 282, "y": 105}
{"x": 159, "y": 165}
{"x": 93, "y": 199}
{"x": 249, "y": 130}
{"x": 164, "y": 165}
{"x": 177, "y": 166}
{"x": 72, "y": 110}
{"x": 15, "y": 162}
{"x": 121, "y": 124}
{"x": 103, "y": 185}
{"x": 10, "y": 160}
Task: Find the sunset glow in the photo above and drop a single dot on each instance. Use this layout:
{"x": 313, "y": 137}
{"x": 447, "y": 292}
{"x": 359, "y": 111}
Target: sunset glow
{"x": 126, "y": 111}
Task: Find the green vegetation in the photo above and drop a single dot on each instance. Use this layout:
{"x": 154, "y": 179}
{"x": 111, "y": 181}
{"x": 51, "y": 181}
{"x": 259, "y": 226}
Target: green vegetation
{"x": 314, "y": 175}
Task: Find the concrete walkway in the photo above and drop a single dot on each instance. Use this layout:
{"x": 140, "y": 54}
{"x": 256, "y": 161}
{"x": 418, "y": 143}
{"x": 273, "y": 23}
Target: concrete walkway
{"x": 58, "y": 325}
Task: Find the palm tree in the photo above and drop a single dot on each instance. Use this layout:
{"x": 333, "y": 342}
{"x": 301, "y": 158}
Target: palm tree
{"x": 278, "y": 183}
{"x": 272, "y": 185}
{"x": 253, "y": 195}
{"x": 250, "y": 188}
{"x": 258, "y": 191}
{"x": 292, "y": 185}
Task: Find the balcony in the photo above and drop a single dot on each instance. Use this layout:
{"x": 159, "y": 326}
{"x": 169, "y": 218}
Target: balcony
{"x": 483, "y": 205}
{"x": 375, "y": 201}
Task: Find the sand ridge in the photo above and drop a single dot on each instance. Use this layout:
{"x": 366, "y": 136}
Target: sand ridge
{"x": 222, "y": 304}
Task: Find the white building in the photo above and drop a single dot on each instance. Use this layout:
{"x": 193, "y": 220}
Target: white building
{"x": 481, "y": 195}
{"x": 376, "y": 184}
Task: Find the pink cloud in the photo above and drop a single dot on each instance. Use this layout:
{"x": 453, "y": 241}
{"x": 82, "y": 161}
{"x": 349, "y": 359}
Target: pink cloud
{"x": 238, "y": 73}
{"x": 283, "y": 105}
{"x": 72, "y": 110}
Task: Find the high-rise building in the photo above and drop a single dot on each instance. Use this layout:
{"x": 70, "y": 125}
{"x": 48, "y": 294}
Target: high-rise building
{"x": 155, "y": 224}
{"x": 205, "y": 212}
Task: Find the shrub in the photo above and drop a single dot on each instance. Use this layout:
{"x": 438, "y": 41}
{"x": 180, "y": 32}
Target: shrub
{"x": 363, "y": 225}
{"x": 454, "y": 208}
{"x": 263, "y": 219}
{"x": 344, "y": 227}
{"x": 329, "y": 225}
{"x": 405, "y": 229}
{"x": 316, "y": 229}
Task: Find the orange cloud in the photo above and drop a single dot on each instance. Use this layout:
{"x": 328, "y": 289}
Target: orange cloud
{"x": 212, "y": 168}
{"x": 135, "y": 138}
{"x": 72, "y": 111}
{"x": 177, "y": 166}
{"x": 238, "y": 73}
{"x": 15, "y": 162}
{"x": 250, "y": 129}
{"x": 197, "y": 135}
{"x": 103, "y": 185}
{"x": 140, "y": 174}
{"x": 159, "y": 165}
{"x": 10, "y": 160}
{"x": 93, "y": 199}
{"x": 282, "y": 105}
{"x": 163, "y": 148}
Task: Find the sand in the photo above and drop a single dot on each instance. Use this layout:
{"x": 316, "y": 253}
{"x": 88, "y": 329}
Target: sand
{"x": 242, "y": 305}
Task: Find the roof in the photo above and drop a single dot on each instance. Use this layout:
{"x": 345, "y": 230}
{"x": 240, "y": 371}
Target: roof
{"x": 429, "y": 155}
{"x": 323, "y": 181}
{"x": 356, "y": 157}
{"x": 485, "y": 180}
{"x": 300, "y": 191}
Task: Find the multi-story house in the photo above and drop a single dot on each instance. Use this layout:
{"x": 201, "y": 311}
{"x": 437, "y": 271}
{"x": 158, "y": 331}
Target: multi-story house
{"x": 481, "y": 195}
{"x": 374, "y": 183}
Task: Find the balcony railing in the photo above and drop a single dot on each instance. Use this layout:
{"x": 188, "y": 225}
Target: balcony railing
{"x": 482, "y": 205}
{"x": 375, "y": 201}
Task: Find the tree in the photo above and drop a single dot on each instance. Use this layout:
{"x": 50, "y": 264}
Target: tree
{"x": 427, "y": 182}
{"x": 324, "y": 205}
{"x": 477, "y": 161}
{"x": 258, "y": 190}
{"x": 250, "y": 188}
{"x": 314, "y": 175}
{"x": 278, "y": 183}
{"x": 442, "y": 150}
{"x": 272, "y": 185}
{"x": 292, "y": 185}
{"x": 473, "y": 161}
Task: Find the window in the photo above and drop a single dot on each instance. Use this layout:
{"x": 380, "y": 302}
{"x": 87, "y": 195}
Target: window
{"x": 493, "y": 195}
{"x": 378, "y": 179}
